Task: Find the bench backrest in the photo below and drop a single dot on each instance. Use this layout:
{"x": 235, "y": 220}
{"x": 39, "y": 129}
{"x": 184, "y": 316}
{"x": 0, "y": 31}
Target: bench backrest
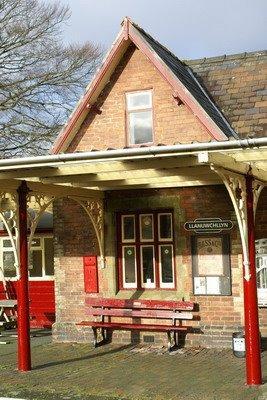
{"x": 139, "y": 308}
{"x": 140, "y": 304}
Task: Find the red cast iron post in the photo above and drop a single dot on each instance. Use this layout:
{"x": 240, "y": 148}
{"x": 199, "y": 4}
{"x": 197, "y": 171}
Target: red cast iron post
{"x": 24, "y": 347}
{"x": 252, "y": 333}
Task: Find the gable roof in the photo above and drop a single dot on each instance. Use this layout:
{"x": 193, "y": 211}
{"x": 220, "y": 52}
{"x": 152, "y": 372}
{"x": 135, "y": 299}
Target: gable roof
{"x": 181, "y": 78}
{"x": 185, "y": 74}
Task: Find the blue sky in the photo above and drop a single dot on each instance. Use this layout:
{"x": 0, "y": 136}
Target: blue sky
{"x": 190, "y": 28}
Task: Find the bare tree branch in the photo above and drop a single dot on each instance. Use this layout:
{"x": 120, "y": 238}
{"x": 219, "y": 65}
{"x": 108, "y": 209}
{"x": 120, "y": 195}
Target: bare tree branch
{"x": 41, "y": 78}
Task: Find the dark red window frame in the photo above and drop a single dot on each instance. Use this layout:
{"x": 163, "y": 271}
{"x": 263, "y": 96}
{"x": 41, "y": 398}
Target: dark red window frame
{"x": 156, "y": 242}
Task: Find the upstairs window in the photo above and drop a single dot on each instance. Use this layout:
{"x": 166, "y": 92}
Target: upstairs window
{"x": 139, "y": 117}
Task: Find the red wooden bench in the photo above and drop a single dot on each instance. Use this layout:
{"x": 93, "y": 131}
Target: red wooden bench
{"x": 173, "y": 312}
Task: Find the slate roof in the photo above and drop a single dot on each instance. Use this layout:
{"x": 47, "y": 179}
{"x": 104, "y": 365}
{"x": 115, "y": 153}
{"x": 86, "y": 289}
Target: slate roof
{"x": 237, "y": 83}
{"x": 186, "y": 75}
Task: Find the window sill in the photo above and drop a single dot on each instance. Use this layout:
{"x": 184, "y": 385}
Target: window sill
{"x": 140, "y": 145}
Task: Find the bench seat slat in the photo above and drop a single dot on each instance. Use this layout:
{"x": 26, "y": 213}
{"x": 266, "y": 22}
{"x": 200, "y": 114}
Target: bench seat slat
{"x": 125, "y": 326}
{"x": 126, "y": 312}
{"x": 144, "y": 304}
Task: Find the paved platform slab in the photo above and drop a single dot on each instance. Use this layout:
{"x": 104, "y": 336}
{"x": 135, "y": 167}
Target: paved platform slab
{"x": 79, "y": 372}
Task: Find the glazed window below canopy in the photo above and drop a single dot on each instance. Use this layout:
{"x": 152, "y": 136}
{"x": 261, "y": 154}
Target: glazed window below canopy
{"x": 146, "y": 250}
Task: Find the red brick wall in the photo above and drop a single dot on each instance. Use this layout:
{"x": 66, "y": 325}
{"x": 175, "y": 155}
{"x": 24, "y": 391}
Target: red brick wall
{"x": 74, "y": 235}
{"x": 74, "y": 238}
{"x": 172, "y": 123}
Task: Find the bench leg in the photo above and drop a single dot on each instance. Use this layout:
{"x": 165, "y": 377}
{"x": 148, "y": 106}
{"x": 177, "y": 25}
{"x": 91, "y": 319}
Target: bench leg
{"x": 169, "y": 341}
{"x": 104, "y": 335}
{"x": 95, "y": 337}
{"x": 176, "y": 338}
{"x": 172, "y": 341}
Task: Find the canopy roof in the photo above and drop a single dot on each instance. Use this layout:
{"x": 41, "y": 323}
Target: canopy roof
{"x": 90, "y": 174}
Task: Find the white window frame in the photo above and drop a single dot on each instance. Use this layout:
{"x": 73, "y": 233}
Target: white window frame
{"x": 136, "y": 109}
{"x": 44, "y": 277}
{"x": 132, "y": 285}
{"x": 42, "y": 248}
{"x": 122, "y": 229}
{"x": 166, "y": 285}
{"x": 261, "y": 265}
{"x": 147, "y": 285}
{"x": 2, "y": 251}
{"x": 140, "y": 227}
{"x": 165, "y": 239}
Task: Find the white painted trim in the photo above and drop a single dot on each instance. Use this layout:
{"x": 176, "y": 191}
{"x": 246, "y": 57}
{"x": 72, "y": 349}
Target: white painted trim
{"x": 165, "y": 285}
{"x": 147, "y": 285}
{"x": 132, "y": 285}
{"x": 122, "y": 228}
{"x": 165, "y": 239}
{"x": 152, "y": 225}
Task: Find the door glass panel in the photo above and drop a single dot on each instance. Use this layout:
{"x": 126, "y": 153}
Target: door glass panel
{"x": 129, "y": 266}
{"x": 128, "y": 228}
{"x": 165, "y": 226}
{"x": 146, "y": 224}
{"x": 49, "y": 256}
{"x": 147, "y": 263}
{"x": 166, "y": 259}
{"x": 36, "y": 263}
{"x": 9, "y": 264}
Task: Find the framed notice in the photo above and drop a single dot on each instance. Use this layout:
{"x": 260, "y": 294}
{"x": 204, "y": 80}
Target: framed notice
{"x": 211, "y": 265}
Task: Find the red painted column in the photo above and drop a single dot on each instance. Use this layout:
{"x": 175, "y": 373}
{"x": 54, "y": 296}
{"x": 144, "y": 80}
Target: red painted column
{"x": 252, "y": 333}
{"x": 24, "y": 347}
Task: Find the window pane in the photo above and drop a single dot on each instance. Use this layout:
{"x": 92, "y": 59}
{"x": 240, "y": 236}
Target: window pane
{"x": 147, "y": 262}
{"x": 36, "y": 263}
{"x": 7, "y": 243}
{"x": 166, "y": 259}
{"x": 128, "y": 228}
{"x": 129, "y": 265}
{"x": 49, "y": 256}
{"x": 165, "y": 226}
{"x": 140, "y": 127}
{"x": 147, "y": 225}
{"x": 9, "y": 264}
{"x": 139, "y": 100}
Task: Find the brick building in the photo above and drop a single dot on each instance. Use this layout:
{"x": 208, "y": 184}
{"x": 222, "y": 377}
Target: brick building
{"x": 149, "y": 183}
{"x": 133, "y": 102}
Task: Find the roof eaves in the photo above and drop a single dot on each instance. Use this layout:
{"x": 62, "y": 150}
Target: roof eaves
{"x": 65, "y": 134}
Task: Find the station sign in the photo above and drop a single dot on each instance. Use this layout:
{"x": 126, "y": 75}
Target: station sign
{"x": 208, "y": 225}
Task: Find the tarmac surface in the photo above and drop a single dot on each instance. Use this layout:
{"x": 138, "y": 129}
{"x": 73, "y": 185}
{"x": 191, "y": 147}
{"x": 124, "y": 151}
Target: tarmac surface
{"x": 79, "y": 372}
